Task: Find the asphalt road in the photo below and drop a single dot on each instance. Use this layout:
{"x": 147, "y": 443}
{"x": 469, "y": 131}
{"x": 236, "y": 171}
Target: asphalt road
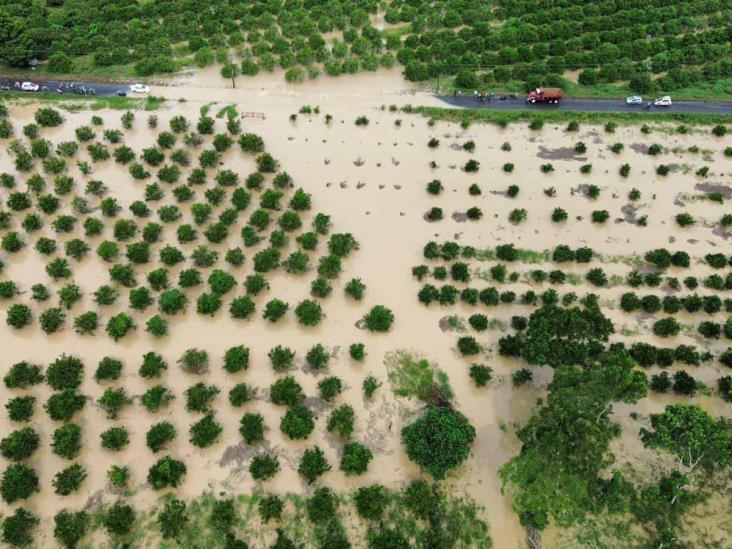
{"x": 53, "y": 86}
{"x": 587, "y": 105}
{"x": 465, "y": 101}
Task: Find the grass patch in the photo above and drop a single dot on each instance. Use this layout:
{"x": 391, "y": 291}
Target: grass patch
{"x": 502, "y": 118}
{"x": 229, "y": 111}
{"x": 455, "y": 521}
{"x": 76, "y": 103}
{"x": 415, "y": 378}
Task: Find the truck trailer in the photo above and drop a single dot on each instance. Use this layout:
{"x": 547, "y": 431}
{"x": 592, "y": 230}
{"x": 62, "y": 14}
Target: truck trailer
{"x": 545, "y": 95}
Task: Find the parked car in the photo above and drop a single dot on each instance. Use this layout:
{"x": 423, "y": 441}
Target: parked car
{"x": 139, "y": 88}
{"x": 29, "y": 87}
{"x": 634, "y": 100}
{"x": 664, "y": 101}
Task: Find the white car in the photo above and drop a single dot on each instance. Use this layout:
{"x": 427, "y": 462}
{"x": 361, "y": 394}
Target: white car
{"x": 634, "y": 100}
{"x": 29, "y": 87}
{"x": 664, "y": 101}
{"x": 139, "y": 88}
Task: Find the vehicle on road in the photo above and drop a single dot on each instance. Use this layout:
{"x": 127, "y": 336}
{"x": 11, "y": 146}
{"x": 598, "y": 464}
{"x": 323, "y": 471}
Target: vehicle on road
{"x": 29, "y": 86}
{"x": 634, "y": 100}
{"x": 664, "y": 101}
{"x": 139, "y": 88}
{"x": 545, "y": 95}
{"x": 121, "y": 93}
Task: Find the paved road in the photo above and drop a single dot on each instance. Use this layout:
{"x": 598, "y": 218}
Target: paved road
{"x": 588, "y": 105}
{"x": 52, "y": 86}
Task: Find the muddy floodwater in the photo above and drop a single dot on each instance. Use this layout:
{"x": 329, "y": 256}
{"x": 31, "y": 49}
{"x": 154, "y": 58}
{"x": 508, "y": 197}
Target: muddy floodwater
{"x": 371, "y": 181}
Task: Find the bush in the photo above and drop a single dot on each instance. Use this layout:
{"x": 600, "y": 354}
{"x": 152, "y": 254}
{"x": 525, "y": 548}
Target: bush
{"x": 321, "y": 507}
{"x": 113, "y": 400}
{"x": 329, "y": 388}
{"x": 200, "y": 396}
{"x": 281, "y": 358}
{"x": 252, "y": 427}
{"x": 63, "y": 405}
{"x": 69, "y": 480}
{"x": 264, "y": 467}
{"x": 270, "y": 507}
{"x": 205, "y": 432}
{"x": 378, "y": 319}
{"x": 18, "y": 482}
{"x": 115, "y": 438}
{"x": 439, "y": 440}
{"x": 666, "y": 327}
{"x": 70, "y": 528}
{"x": 481, "y": 374}
{"x": 341, "y": 421}
{"x": 21, "y": 409}
{"x": 20, "y": 445}
{"x": 313, "y": 464}
{"x": 166, "y": 472}
{"x": 286, "y": 391}
{"x": 194, "y": 361}
{"x": 22, "y": 375}
{"x": 371, "y": 501}
{"x": 118, "y": 519}
{"x": 308, "y": 313}
{"x": 159, "y": 435}
{"x": 297, "y": 423}
{"x": 17, "y": 529}
{"x": 355, "y": 459}
{"x": 173, "y": 519}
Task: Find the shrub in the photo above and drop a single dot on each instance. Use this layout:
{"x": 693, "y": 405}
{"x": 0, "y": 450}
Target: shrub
{"x": 240, "y": 394}
{"x": 321, "y": 507}
{"x": 378, "y": 319}
{"x": 18, "y": 482}
{"x": 159, "y": 435}
{"x": 65, "y": 372}
{"x": 317, "y": 357}
{"x": 684, "y": 384}
{"x": 270, "y": 507}
{"x": 264, "y": 467}
{"x": 439, "y": 440}
{"x": 252, "y": 427}
{"x": 166, "y": 472}
{"x": 17, "y": 529}
{"x": 119, "y": 326}
{"x": 666, "y": 327}
{"x": 20, "y": 445}
{"x": 19, "y": 316}
{"x": 281, "y": 357}
{"x": 480, "y": 374}
{"x": 371, "y": 501}
{"x": 286, "y": 391}
{"x": 329, "y": 388}
{"x": 118, "y": 519}
{"x": 194, "y": 361}
{"x": 600, "y": 216}
{"x": 113, "y": 400}
{"x": 115, "y": 438}
{"x": 313, "y": 464}
{"x": 155, "y": 398}
{"x": 308, "y": 313}
{"x": 355, "y": 458}
{"x": 173, "y": 519}
{"x": 297, "y": 423}
{"x": 70, "y": 527}
{"x": 20, "y": 408}
{"x": 205, "y": 432}
{"x": 69, "y": 480}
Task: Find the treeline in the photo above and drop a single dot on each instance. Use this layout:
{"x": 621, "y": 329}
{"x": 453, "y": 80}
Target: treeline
{"x": 656, "y": 45}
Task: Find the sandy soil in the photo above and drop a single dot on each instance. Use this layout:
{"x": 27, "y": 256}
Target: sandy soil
{"x": 372, "y": 182}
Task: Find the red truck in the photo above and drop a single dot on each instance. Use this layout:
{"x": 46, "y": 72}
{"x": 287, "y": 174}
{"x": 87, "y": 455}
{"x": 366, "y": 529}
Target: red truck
{"x": 545, "y": 95}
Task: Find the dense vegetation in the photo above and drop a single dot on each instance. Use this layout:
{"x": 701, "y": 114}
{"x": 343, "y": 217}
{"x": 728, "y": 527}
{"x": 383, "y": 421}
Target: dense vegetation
{"x": 661, "y": 45}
